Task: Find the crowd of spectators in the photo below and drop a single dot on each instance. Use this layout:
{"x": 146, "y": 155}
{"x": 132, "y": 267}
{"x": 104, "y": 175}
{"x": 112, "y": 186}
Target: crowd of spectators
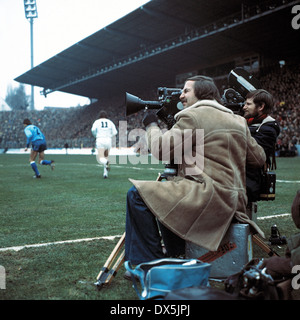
{"x": 284, "y": 84}
{"x": 73, "y": 125}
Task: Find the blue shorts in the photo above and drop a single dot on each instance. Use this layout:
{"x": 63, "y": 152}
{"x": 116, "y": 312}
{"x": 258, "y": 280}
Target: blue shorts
{"x": 39, "y": 145}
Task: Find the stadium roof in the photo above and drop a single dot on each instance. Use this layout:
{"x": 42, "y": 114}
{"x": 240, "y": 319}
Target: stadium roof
{"x": 150, "y": 46}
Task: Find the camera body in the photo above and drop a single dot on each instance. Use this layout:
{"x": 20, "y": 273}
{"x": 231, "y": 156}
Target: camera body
{"x": 167, "y": 95}
{"x": 170, "y": 103}
{"x": 233, "y": 100}
{"x": 240, "y": 83}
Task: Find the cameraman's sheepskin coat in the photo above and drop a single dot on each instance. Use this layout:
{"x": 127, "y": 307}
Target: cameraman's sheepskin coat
{"x": 199, "y": 204}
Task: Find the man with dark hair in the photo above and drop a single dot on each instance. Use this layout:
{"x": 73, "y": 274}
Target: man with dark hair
{"x": 36, "y": 138}
{"x": 204, "y": 89}
{"x": 198, "y": 204}
{"x": 103, "y": 130}
{"x": 265, "y": 130}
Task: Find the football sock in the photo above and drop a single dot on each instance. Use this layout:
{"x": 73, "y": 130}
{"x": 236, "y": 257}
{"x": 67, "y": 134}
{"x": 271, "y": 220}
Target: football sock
{"x": 45, "y": 162}
{"x": 34, "y": 168}
{"x": 105, "y": 173}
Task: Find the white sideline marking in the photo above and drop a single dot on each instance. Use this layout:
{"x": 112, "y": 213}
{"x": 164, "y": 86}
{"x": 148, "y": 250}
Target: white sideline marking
{"x": 18, "y": 248}
{"x": 274, "y": 216}
{"x": 288, "y": 181}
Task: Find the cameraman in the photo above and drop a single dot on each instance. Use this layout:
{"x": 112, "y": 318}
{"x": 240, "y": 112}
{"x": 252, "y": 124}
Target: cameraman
{"x": 265, "y": 130}
{"x": 199, "y": 204}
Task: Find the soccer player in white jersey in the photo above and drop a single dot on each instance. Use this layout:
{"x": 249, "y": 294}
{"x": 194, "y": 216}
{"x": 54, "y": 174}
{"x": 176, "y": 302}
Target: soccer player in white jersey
{"x": 103, "y": 130}
{"x": 38, "y": 143}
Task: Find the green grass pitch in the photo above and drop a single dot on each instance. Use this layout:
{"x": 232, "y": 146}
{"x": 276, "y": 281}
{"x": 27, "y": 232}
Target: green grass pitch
{"x": 74, "y": 202}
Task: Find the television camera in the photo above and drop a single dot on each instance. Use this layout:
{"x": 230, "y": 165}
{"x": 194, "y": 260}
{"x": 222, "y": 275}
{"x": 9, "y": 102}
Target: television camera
{"x": 168, "y": 104}
{"x": 240, "y": 83}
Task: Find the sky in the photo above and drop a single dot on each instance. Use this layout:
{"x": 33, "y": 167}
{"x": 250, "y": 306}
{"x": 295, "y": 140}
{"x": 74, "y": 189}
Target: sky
{"x": 60, "y": 24}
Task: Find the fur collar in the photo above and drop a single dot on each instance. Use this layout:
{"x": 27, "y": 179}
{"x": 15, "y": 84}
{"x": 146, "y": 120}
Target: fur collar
{"x": 267, "y": 119}
{"x": 207, "y": 103}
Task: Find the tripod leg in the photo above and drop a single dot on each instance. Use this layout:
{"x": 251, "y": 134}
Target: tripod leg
{"x": 256, "y": 239}
{"x": 104, "y": 272}
{"x": 113, "y": 272}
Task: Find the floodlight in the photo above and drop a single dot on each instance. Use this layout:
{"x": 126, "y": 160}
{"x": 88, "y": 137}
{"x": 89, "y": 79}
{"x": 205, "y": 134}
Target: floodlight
{"x": 30, "y": 9}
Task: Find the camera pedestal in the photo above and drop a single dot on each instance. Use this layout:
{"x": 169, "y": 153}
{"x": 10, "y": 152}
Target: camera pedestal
{"x": 251, "y": 211}
{"x": 235, "y": 251}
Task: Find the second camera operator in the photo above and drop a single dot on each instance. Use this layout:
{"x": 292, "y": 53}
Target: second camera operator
{"x": 197, "y": 207}
{"x": 265, "y": 130}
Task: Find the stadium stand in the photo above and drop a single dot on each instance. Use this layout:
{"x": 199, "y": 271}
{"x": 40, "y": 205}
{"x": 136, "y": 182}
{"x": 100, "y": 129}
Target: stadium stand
{"x": 73, "y": 125}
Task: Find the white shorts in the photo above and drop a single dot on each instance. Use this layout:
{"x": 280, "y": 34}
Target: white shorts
{"x": 103, "y": 143}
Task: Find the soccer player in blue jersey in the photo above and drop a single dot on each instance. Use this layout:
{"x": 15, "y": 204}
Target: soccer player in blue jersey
{"x": 38, "y": 143}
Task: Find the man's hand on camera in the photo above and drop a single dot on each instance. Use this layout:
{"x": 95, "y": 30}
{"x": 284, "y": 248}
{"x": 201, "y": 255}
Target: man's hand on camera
{"x": 149, "y": 118}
